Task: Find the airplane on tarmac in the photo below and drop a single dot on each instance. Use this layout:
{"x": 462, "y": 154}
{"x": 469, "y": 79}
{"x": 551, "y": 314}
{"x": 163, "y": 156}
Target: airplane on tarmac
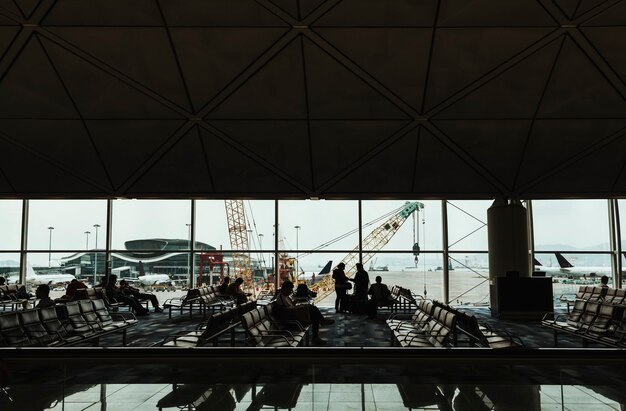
{"x": 32, "y": 278}
{"x": 314, "y": 278}
{"x": 154, "y": 279}
{"x": 566, "y": 269}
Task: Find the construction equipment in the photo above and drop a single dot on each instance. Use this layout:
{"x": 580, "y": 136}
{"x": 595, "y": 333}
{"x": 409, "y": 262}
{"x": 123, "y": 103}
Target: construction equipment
{"x": 238, "y": 232}
{"x": 373, "y": 243}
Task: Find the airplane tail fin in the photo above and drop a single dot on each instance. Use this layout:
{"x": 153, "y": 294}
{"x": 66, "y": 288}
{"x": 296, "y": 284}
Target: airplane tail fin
{"x": 326, "y": 268}
{"x": 536, "y": 262}
{"x": 562, "y": 261}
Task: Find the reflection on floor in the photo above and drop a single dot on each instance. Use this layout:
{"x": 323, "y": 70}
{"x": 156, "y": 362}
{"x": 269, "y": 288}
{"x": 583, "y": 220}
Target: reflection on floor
{"x": 328, "y": 397}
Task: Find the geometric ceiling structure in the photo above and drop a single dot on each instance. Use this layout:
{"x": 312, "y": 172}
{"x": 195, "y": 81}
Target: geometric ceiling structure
{"x": 313, "y": 99}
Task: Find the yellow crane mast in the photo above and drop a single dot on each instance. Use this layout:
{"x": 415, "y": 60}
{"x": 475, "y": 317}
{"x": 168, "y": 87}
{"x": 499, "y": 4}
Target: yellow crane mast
{"x": 238, "y": 232}
{"x": 373, "y": 243}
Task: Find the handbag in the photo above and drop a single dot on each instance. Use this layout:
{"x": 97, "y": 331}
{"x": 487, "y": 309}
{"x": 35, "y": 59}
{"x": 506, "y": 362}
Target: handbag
{"x": 348, "y": 286}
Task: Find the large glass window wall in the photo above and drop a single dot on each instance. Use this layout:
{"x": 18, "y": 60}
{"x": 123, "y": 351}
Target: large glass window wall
{"x": 167, "y": 244}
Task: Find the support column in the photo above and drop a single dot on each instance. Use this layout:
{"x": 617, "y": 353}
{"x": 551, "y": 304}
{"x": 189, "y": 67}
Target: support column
{"x": 508, "y": 239}
{"x": 509, "y": 265}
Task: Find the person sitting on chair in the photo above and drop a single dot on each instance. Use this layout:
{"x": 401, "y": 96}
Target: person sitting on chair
{"x": 43, "y": 295}
{"x": 303, "y": 293}
{"x": 284, "y": 304}
{"x": 127, "y": 289}
{"x": 236, "y": 293}
{"x": 223, "y": 287}
{"x": 381, "y": 296}
{"x": 114, "y": 294}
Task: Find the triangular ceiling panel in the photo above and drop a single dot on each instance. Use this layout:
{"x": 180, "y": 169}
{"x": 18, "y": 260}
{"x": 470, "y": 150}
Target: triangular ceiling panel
{"x": 336, "y": 93}
{"x": 365, "y": 13}
{"x": 482, "y": 138}
{"x": 5, "y": 186}
{"x": 146, "y": 57}
{"x": 276, "y": 91}
{"x": 613, "y": 16}
{"x": 579, "y": 92}
{"x": 284, "y": 144}
{"x": 7, "y": 34}
{"x": 298, "y": 9}
{"x": 59, "y": 141}
{"x": 104, "y": 13}
{"x": 337, "y": 144}
{"x": 308, "y": 6}
{"x": 394, "y": 170}
{"x": 509, "y": 13}
{"x": 620, "y": 183}
{"x": 587, "y": 5}
{"x": 289, "y": 6}
{"x": 514, "y": 93}
{"x": 596, "y": 172}
{"x": 100, "y": 95}
{"x": 27, "y": 6}
{"x": 611, "y": 43}
{"x": 182, "y": 169}
{"x": 461, "y": 56}
{"x": 10, "y": 6}
{"x": 125, "y": 145}
{"x": 224, "y": 13}
{"x": 568, "y": 7}
{"x": 47, "y": 178}
{"x": 553, "y": 142}
{"x": 438, "y": 166}
{"x": 402, "y": 68}
{"x": 210, "y": 58}
{"x": 234, "y": 171}
{"x": 31, "y": 88}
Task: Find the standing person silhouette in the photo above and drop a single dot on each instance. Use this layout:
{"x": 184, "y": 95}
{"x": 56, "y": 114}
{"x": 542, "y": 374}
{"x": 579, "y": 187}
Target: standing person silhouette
{"x": 361, "y": 282}
{"x": 341, "y": 280}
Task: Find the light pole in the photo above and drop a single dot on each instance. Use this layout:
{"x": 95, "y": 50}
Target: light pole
{"x": 189, "y": 253}
{"x": 87, "y": 234}
{"x": 262, "y": 256}
{"x": 297, "y": 252}
{"x": 50, "y": 246}
{"x": 95, "y": 259}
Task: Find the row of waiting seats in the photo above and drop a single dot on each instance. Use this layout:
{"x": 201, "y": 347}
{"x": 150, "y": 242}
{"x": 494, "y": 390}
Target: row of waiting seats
{"x": 9, "y": 297}
{"x": 209, "y": 331}
{"x": 434, "y": 324}
{"x": 264, "y": 329}
{"x": 74, "y": 323}
{"x": 592, "y": 293}
{"x": 593, "y": 321}
{"x": 201, "y": 298}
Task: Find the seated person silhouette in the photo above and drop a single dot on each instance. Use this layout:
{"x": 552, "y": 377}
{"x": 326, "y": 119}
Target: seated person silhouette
{"x": 43, "y": 295}
{"x": 303, "y": 294}
{"x": 285, "y": 307}
{"x": 381, "y": 296}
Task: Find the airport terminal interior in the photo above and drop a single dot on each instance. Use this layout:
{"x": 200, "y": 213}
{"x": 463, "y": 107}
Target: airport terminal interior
{"x": 312, "y": 205}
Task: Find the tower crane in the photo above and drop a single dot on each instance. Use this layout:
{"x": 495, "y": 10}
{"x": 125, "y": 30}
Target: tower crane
{"x": 238, "y": 233}
{"x": 373, "y": 243}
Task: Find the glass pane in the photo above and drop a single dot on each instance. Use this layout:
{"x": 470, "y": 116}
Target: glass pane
{"x": 151, "y": 224}
{"x": 422, "y": 226}
{"x": 469, "y": 279}
{"x": 10, "y": 223}
{"x": 83, "y": 264}
{"x": 50, "y": 268}
{"x": 258, "y": 215}
{"x": 10, "y": 267}
{"x": 323, "y": 225}
{"x": 571, "y": 225}
{"x": 467, "y": 225}
{"x": 66, "y": 224}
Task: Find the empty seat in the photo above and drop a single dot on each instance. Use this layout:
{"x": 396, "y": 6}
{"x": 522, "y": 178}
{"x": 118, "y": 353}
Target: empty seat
{"x": 35, "y": 330}
{"x": 12, "y": 331}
